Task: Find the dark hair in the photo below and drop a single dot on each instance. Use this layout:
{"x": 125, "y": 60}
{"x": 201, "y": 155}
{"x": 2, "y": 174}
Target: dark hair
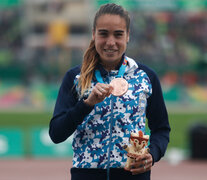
{"x": 114, "y": 9}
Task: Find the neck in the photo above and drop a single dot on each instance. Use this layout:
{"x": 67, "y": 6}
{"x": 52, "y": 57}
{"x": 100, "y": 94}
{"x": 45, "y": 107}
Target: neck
{"x": 110, "y": 66}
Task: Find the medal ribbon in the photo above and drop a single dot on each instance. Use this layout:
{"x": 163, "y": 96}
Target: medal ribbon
{"x": 120, "y": 73}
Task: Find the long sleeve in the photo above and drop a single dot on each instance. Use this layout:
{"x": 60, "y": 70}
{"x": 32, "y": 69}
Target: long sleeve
{"x": 157, "y": 116}
{"x": 157, "y": 120}
{"x": 68, "y": 112}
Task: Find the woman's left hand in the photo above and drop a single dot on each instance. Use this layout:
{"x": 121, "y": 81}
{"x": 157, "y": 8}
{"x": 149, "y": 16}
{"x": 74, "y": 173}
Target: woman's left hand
{"x": 143, "y": 163}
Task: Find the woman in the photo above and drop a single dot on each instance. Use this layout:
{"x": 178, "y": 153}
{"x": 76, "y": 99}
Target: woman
{"x": 102, "y": 122}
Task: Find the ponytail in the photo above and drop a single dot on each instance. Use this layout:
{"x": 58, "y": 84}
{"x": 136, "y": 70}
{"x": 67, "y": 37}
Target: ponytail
{"x": 90, "y": 60}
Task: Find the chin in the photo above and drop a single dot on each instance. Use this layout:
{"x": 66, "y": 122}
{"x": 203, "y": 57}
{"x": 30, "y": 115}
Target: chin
{"x": 111, "y": 58}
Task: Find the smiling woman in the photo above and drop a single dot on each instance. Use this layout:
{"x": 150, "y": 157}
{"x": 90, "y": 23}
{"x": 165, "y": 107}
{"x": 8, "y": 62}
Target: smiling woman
{"x": 103, "y": 113}
{"x": 110, "y": 36}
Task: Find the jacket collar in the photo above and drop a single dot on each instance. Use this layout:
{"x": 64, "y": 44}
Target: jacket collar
{"x": 131, "y": 66}
{"x": 103, "y": 72}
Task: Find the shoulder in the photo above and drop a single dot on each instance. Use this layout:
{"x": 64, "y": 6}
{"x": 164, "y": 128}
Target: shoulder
{"x": 137, "y": 66}
{"x": 149, "y": 71}
{"x": 154, "y": 80}
{"x": 71, "y": 73}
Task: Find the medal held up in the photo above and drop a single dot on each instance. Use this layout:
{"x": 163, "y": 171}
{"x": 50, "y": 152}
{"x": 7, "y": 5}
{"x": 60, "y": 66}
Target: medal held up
{"x": 119, "y": 84}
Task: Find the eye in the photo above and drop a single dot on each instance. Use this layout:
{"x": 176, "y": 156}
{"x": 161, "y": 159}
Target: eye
{"x": 103, "y": 33}
{"x": 135, "y": 140}
{"x": 118, "y": 35}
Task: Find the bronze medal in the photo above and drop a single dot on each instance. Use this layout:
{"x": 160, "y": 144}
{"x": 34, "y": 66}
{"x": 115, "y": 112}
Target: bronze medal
{"x": 120, "y": 86}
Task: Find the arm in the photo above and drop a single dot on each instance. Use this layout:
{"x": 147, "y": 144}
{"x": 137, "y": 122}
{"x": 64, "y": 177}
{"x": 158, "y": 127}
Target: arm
{"x": 68, "y": 112}
{"x": 157, "y": 120}
{"x": 158, "y": 123}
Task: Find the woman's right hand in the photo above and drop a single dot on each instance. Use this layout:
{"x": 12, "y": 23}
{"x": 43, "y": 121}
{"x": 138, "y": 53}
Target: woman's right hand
{"x": 98, "y": 94}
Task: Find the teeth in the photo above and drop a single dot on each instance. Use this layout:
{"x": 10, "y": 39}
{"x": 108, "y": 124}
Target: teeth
{"x": 110, "y": 50}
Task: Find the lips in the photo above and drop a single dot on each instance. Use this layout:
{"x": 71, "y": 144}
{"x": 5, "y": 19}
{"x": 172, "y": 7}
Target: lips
{"x": 110, "y": 50}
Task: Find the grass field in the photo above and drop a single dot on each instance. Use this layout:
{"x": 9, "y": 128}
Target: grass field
{"x": 180, "y": 124}
{"x": 180, "y": 127}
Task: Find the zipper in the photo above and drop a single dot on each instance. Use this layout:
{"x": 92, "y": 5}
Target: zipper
{"x": 110, "y": 137}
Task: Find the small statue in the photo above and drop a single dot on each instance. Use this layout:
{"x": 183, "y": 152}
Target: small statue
{"x": 138, "y": 143}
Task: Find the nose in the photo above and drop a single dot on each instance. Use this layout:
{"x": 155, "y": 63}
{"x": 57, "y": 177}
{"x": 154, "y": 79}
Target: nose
{"x": 110, "y": 41}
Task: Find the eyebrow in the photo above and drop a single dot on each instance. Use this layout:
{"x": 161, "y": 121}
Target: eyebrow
{"x": 102, "y": 30}
{"x": 117, "y": 31}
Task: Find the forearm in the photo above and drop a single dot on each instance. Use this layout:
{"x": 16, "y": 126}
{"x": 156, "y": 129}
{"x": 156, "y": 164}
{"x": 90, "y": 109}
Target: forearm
{"x": 158, "y": 122}
{"x": 64, "y": 123}
{"x": 158, "y": 143}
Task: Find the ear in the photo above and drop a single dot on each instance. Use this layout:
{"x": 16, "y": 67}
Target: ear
{"x": 93, "y": 34}
{"x": 128, "y": 35}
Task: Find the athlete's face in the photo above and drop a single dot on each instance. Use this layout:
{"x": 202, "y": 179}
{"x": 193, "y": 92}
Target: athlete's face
{"x": 111, "y": 37}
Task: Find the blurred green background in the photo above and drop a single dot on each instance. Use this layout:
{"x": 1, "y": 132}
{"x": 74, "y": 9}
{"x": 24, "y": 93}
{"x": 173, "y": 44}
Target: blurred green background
{"x": 42, "y": 39}
{"x": 181, "y": 124}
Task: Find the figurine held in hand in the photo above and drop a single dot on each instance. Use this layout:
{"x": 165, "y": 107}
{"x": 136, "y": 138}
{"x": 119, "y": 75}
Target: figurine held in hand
{"x": 138, "y": 143}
